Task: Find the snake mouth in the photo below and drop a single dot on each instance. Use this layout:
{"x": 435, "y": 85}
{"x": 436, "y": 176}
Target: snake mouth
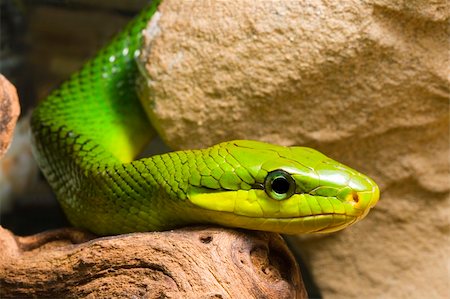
{"x": 323, "y": 223}
{"x": 319, "y": 223}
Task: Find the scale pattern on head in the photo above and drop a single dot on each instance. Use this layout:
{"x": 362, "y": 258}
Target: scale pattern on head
{"x": 285, "y": 189}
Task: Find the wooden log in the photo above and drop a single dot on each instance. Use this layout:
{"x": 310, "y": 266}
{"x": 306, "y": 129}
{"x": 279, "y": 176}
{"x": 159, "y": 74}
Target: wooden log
{"x": 9, "y": 112}
{"x": 201, "y": 262}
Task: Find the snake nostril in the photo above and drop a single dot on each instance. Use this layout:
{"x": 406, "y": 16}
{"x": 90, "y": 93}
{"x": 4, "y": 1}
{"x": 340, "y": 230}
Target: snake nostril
{"x": 355, "y": 197}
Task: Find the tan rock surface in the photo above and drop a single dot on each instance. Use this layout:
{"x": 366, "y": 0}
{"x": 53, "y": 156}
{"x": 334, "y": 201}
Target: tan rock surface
{"x": 188, "y": 263}
{"x": 365, "y": 82}
{"x": 9, "y": 112}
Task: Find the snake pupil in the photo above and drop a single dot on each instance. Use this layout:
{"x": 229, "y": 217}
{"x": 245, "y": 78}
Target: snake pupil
{"x": 280, "y": 185}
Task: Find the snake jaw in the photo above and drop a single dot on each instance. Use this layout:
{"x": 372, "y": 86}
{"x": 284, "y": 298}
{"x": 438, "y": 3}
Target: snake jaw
{"x": 303, "y": 213}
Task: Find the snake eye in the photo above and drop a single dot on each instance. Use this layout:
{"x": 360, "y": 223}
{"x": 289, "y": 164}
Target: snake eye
{"x": 279, "y": 185}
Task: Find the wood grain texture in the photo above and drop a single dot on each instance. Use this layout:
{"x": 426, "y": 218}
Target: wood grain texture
{"x": 9, "y": 112}
{"x": 203, "y": 262}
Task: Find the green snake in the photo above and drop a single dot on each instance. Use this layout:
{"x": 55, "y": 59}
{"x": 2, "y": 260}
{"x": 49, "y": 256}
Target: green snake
{"x": 87, "y": 134}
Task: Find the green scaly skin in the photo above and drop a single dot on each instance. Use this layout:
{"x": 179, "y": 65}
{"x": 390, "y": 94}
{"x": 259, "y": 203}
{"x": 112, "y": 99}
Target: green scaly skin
{"x": 87, "y": 133}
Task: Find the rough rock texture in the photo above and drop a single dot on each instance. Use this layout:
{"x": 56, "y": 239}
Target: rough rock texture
{"x": 9, "y": 112}
{"x": 188, "y": 263}
{"x": 365, "y": 82}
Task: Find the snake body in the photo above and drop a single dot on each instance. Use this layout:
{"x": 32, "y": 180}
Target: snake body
{"x": 88, "y": 132}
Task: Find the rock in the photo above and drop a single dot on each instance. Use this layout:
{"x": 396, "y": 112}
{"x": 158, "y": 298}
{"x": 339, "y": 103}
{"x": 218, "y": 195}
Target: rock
{"x": 9, "y": 112}
{"x": 365, "y": 82}
{"x": 186, "y": 263}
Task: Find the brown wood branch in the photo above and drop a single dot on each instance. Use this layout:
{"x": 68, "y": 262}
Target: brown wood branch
{"x": 200, "y": 262}
{"x": 9, "y": 112}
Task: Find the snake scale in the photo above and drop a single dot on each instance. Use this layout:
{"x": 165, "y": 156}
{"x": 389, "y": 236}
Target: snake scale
{"x": 87, "y": 133}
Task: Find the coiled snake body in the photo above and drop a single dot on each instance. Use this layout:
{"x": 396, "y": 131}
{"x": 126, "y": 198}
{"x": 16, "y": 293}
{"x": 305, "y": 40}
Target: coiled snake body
{"x": 87, "y": 133}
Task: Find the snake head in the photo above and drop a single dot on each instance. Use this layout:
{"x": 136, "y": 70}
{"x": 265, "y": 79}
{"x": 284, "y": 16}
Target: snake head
{"x": 289, "y": 190}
